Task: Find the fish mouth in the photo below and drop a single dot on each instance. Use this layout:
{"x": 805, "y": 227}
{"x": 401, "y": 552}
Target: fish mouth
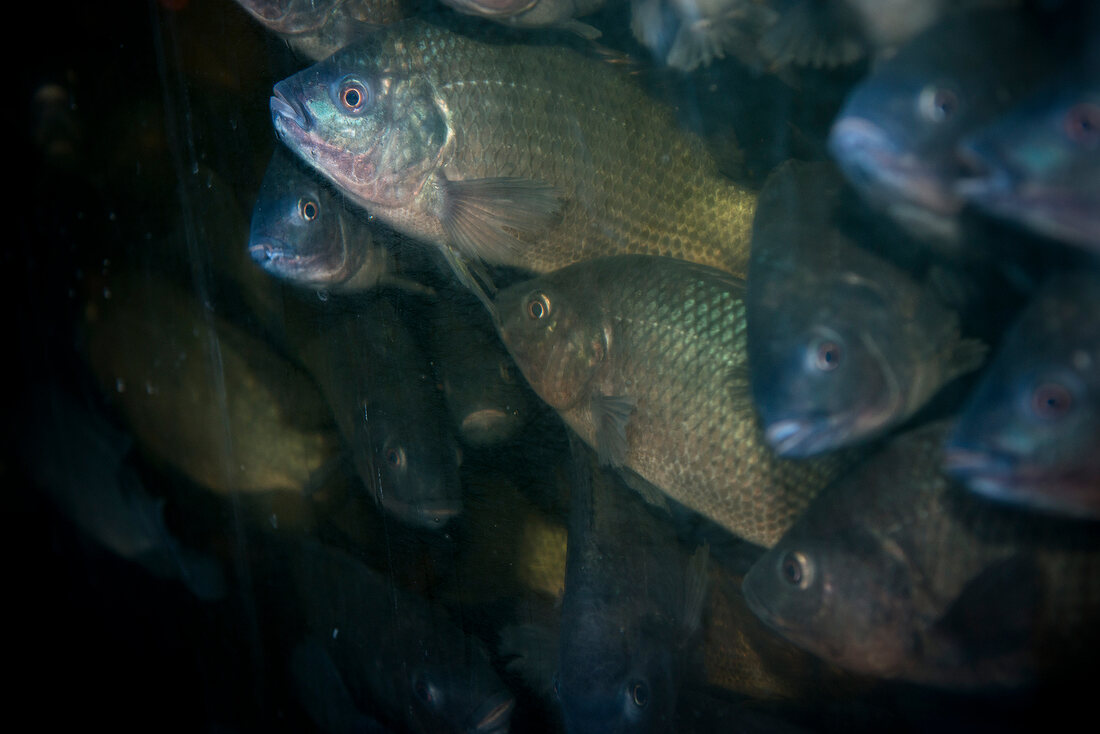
{"x": 986, "y": 473}
{"x": 287, "y": 113}
{"x": 494, "y": 716}
{"x": 487, "y": 426}
{"x": 492, "y": 8}
{"x": 432, "y": 514}
{"x": 757, "y": 606}
{"x": 277, "y": 258}
{"x": 801, "y": 437}
{"x": 882, "y": 170}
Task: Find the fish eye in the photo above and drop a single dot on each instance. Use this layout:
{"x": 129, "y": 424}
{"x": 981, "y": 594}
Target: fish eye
{"x": 395, "y": 457}
{"x": 826, "y": 355}
{"x": 423, "y": 690}
{"x": 353, "y": 95}
{"x": 308, "y": 209}
{"x": 506, "y": 372}
{"x": 1082, "y": 124}
{"x": 937, "y": 104}
{"x": 795, "y": 569}
{"x": 538, "y": 306}
{"x": 639, "y": 692}
{"x": 1051, "y": 400}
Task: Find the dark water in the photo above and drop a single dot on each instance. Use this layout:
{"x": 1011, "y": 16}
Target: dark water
{"x": 144, "y": 134}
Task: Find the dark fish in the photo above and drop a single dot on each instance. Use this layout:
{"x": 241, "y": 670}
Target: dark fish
{"x": 843, "y": 345}
{"x": 631, "y": 612}
{"x": 400, "y": 658}
{"x": 203, "y": 395}
{"x": 379, "y": 385}
{"x": 78, "y": 458}
{"x": 1039, "y": 165}
{"x": 534, "y": 13}
{"x": 896, "y": 137}
{"x": 645, "y": 358}
{"x": 1030, "y": 433}
{"x": 494, "y": 152}
{"x": 896, "y": 572}
{"x": 305, "y": 232}
{"x": 485, "y": 392}
{"x": 319, "y": 28}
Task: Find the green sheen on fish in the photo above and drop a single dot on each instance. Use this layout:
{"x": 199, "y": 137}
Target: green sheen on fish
{"x": 645, "y": 358}
{"x": 533, "y": 156}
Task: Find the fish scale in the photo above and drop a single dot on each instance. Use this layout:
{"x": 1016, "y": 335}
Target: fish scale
{"x": 675, "y": 338}
{"x": 625, "y": 177}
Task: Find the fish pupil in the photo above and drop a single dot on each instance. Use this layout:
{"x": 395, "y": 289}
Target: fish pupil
{"x": 938, "y": 104}
{"x": 791, "y": 569}
{"x": 640, "y": 694}
{"x": 308, "y": 209}
{"x": 828, "y": 356}
{"x": 1083, "y": 124}
{"x": 538, "y": 307}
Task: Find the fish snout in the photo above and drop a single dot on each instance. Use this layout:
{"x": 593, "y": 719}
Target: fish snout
{"x": 287, "y": 110}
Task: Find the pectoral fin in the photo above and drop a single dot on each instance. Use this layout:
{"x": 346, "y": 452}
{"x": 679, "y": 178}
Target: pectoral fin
{"x": 478, "y": 215}
{"x": 611, "y": 413}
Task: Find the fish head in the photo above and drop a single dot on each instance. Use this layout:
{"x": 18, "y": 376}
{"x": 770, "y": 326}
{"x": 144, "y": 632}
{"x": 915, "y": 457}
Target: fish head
{"x": 290, "y": 16}
{"x": 832, "y": 369}
{"x": 1030, "y": 433}
{"x": 557, "y": 344}
{"x": 411, "y": 463}
{"x": 1040, "y": 164}
{"x": 485, "y": 397}
{"x": 376, "y": 133}
{"x": 617, "y": 678}
{"x": 833, "y": 589}
{"x": 462, "y": 695}
{"x": 302, "y": 229}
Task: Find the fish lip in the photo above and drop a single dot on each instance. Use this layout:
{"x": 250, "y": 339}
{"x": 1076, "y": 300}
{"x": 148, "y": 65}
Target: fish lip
{"x": 486, "y": 9}
{"x": 494, "y": 716}
{"x": 273, "y": 256}
{"x": 873, "y": 161}
{"x": 486, "y": 425}
{"x": 284, "y": 109}
{"x": 425, "y": 513}
{"x": 801, "y": 437}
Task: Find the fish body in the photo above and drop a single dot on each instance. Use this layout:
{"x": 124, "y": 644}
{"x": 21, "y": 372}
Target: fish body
{"x": 493, "y": 152}
{"x": 1030, "y": 432}
{"x": 202, "y": 394}
{"x": 631, "y": 611}
{"x": 645, "y": 358}
{"x": 843, "y": 345}
{"x": 1039, "y": 164}
{"x": 319, "y": 29}
{"x": 304, "y": 232}
{"x": 895, "y": 572}
{"x": 534, "y": 13}
{"x": 484, "y": 390}
{"x": 896, "y": 138}
{"x": 400, "y": 658}
{"x": 378, "y": 383}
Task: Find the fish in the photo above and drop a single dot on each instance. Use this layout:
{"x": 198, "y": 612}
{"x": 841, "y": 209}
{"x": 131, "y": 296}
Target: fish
{"x": 896, "y": 136}
{"x": 561, "y": 14}
{"x": 203, "y": 395}
{"x": 843, "y": 344}
{"x": 492, "y": 152}
{"x": 317, "y": 29}
{"x": 898, "y": 573}
{"x": 486, "y": 397}
{"x": 377, "y": 382}
{"x": 306, "y": 233}
{"x": 687, "y": 34}
{"x": 645, "y": 358}
{"x": 1038, "y": 165}
{"x": 72, "y": 451}
{"x": 631, "y": 612}
{"x": 403, "y": 661}
{"x": 1029, "y": 433}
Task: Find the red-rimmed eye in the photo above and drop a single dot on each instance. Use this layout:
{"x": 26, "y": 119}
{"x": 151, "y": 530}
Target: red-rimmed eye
{"x": 1051, "y": 400}
{"x": 1082, "y": 124}
{"x": 395, "y": 457}
{"x": 308, "y": 209}
{"x": 354, "y": 96}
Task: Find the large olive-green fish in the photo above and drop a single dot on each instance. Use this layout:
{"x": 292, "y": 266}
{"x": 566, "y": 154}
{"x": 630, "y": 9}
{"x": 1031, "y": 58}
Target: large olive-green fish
{"x": 534, "y": 156}
{"x": 202, "y": 394}
{"x": 645, "y": 358}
